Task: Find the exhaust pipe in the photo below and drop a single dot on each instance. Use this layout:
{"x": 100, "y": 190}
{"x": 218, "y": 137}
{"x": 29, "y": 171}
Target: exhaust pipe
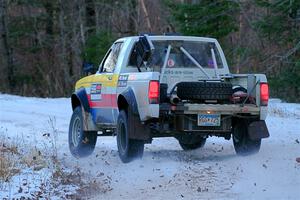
{"x": 174, "y": 99}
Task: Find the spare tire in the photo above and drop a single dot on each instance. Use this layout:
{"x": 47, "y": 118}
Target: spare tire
{"x": 204, "y": 90}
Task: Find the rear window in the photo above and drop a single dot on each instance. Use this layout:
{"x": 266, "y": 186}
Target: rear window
{"x": 200, "y": 51}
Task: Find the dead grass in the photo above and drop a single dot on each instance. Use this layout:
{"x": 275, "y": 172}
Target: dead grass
{"x": 34, "y": 159}
{"x": 87, "y": 186}
{"x": 16, "y": 155}
{"x": 8, "y": 164}
{"x": 7, "y": 168}
{"x": 278, "y": 112}
{"x": 283, "y": 112}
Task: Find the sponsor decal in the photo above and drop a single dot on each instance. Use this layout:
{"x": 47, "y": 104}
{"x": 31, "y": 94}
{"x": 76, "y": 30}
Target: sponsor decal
{"x": 96, "y": 92}
{"x": 122, "y": 82}
{"x": 123, "y": 77}
{"x": 132, "y": 77}
{"x": 177, "y": 72}
{"x": 171, "y": 63}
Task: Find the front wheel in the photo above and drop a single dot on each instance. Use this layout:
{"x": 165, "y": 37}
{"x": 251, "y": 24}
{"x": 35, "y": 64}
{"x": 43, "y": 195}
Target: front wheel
{"x": 128, "y": 148}
{"x": 243, "y": 145}
{"x": 81, "y": 143}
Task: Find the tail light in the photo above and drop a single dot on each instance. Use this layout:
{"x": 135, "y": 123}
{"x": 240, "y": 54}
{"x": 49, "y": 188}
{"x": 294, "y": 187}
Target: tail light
{"x": 153, "y": 92}
{"x": 264, "y": 94}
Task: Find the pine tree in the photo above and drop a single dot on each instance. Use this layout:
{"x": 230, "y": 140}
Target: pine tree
{"x": 205, "y": 18}
{"x": 280, "y": 27}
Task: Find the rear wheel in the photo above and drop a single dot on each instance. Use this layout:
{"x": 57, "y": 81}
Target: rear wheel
{"x": 191, "y": 142}
{"x": 129, "y": 149}
{"x": 243, "y": 145}
{"x": 81, "y": 143}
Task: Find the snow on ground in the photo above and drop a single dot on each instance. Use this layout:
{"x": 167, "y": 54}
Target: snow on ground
{"x": 165, "y": 171}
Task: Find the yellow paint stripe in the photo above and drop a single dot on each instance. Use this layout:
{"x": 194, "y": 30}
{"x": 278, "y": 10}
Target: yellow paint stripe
{"x": 105, "y": 80}
{"x": 84, "y": 82}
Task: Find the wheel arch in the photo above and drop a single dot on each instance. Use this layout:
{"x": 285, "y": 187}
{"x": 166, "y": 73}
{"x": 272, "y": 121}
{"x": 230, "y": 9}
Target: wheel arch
{"x": 79, "y": 98}
{"x": 137, "y": 130}
{"x": 122, "y": 103}
{"x": 127, "y": 98}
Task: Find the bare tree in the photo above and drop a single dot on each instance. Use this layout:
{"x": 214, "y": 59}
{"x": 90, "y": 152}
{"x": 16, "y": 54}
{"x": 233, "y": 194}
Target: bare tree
{"x": 7, "y": 65}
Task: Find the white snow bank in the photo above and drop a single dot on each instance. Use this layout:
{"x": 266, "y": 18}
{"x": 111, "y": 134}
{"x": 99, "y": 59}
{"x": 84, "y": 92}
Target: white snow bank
{"x": 278, "y": 108}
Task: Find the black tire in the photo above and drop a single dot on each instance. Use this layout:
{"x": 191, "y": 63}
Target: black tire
{"x": 239, "y": 89}
{"x": 204, "y": 90}
{"x": 129, "y": 149}
{"x": 243, "y": 145}
{"x": 81, "y": 143}
{"x": 188, "y": 142}
{"x": 163, "y": 92}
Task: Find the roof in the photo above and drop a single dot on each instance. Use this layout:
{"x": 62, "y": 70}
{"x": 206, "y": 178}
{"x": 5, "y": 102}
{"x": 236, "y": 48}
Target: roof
{"x": 172, "y": 37}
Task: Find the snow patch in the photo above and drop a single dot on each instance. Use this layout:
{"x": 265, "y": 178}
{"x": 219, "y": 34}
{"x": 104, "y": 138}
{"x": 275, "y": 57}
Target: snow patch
{"x": 165, "y": 171}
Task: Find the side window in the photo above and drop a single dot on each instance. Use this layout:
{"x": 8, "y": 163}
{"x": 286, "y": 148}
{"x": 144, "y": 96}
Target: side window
{"x": 112, "y": 58}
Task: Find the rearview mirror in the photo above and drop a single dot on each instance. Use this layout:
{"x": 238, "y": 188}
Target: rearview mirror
{"x": 143, "y": 49}
{"x": 88, "y": 68}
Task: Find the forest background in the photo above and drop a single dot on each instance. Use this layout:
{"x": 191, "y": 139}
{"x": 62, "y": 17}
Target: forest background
{"x": 44, "y": 43}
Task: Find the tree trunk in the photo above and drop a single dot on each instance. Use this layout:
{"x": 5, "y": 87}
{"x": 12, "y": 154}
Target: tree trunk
{"x": 66, "y": 68}
{"x": 147, "y": 18}
{"x": 97, "y": 18}
{"x": 90, "y": 16}
{"x": 6, "y": 50}
{"x": 133, "y": 14}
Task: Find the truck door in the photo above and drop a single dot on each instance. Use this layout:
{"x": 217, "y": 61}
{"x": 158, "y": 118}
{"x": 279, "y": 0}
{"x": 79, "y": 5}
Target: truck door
{"x": 104, "y": 88}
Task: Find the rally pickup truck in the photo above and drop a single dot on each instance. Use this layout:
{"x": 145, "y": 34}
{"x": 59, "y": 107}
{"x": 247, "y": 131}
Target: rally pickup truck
{"x": 167, "y": 86}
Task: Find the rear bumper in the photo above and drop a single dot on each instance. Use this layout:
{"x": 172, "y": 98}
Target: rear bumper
{"x": 223, "y": 109}
{"x": 183, "y": 119}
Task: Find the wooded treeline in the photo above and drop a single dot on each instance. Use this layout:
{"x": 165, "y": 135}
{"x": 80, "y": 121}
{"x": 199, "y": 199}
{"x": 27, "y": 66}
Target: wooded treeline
{"x": 44, "y": 43}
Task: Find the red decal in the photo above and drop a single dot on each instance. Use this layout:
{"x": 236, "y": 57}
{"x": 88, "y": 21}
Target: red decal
{"x": 171, "y": 63}
{"x": 108, "y": 100}
{"x": 98, "y": 87}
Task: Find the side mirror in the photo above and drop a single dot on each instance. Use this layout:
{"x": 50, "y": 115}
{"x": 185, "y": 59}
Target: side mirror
{"x": 88, "y": 68}
{"x": 143, "y": 50}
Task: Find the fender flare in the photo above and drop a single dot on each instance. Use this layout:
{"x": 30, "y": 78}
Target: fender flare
{"x": 137, "y": 130}
{"x": 129, "y": 96}
{"x": 83, "y": 100}
{"x": 80, "y": 98}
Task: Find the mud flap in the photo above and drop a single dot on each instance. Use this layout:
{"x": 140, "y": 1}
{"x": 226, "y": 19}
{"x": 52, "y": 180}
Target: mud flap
{"x": 137, "y": 130}
{"x": 258, "y": 130}
{"x": 88, "y": 123}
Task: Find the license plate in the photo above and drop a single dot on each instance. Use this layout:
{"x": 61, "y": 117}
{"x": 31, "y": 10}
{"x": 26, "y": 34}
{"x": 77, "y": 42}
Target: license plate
{"x": 209, "y": 120}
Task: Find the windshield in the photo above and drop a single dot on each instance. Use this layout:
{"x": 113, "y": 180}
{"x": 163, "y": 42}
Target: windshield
{"x": 200, "y": 51}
